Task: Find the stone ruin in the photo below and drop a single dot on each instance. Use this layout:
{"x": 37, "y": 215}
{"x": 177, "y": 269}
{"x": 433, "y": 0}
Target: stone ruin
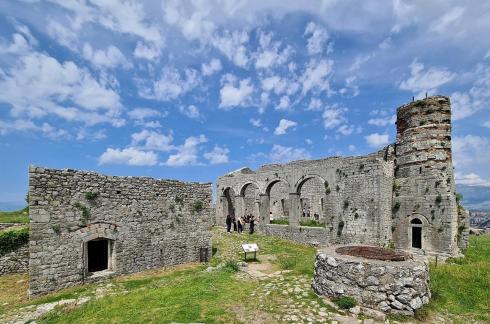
{"x": 398, "y": 285}
{"x": 85, "y": 226}
{"x": 401, "y": 196}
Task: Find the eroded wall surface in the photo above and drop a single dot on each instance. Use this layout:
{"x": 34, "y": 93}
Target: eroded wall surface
{"x": 150, "y": 223}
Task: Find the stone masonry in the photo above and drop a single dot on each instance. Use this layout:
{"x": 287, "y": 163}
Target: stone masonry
{"x": 391, "y": 287}
{"x": 403, "y": 195}
{"x": 138, "y": 223}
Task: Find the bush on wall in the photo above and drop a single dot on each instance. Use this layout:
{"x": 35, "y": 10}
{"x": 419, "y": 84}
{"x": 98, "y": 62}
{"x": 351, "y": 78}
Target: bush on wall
{"x": 11, "y": 240}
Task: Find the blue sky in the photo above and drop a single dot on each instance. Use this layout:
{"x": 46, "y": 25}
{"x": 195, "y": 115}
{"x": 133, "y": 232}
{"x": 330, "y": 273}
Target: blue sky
{"x": 194, "y": 89}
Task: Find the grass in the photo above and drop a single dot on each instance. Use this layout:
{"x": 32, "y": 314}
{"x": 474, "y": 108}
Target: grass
{"x": 17, "y": 216}
{"x": 461, "y": 287}
{"x": 281, "y": 221}
{"x": 311, "y": 223}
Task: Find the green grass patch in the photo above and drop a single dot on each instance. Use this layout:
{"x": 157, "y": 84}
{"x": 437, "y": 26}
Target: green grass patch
{"x": 17, "y": 216}
{"x": 182, "y": 296}
{"x": 311, "y": 223}
{"x": 461, "y": 287}
{"x": 281, "y": 221}
{"x": 344, "y": 302}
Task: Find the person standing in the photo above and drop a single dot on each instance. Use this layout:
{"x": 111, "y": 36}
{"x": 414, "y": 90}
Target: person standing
{"x": 233, "y": 219}
{"x": 228, "y": 223}
{"x": 252, "y": 224}
{"x": 240, "y": 225}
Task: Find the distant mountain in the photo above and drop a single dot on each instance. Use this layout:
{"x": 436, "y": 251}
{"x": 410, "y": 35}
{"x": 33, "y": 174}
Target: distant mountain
{"x": 475, "y": 197}
{"x": 11, "y": 205}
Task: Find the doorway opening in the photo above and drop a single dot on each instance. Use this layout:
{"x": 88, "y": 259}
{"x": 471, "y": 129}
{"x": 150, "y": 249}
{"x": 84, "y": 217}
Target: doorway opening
{"x": 99, "y": 255}
{"x": 416, "y": 225}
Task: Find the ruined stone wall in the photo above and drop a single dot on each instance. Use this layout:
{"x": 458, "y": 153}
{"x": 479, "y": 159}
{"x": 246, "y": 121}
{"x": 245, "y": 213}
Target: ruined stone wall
{"x": 150, "y": 223}
{"x": 15, "y": 261}
{"x": 357, "y": 192}
{"x": 392, "y": 287}
{"x": 424, "y": 185}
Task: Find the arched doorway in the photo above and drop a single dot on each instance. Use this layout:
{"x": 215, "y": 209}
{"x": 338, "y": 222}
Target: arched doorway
{"x": 313, "y": 196}
{"x": 416, "y": 226}
{"x": 278, "y": 193}
{"x": 250, "y": 194}
{"x": 228, "y": 202}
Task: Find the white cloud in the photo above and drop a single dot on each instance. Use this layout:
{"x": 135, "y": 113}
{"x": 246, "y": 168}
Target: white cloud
{"x": 382, "y": 121}
{"x": 19, "y": 45}
{"x": 283, "y": 103}
{"x": 422, "y": 80}
{"x": 144, "y": 113}
{"x": 62, "y": 34}
{"x": 316, "y": 76}
{"x": 232, "y": 45}
{"x": 449, "y": 19}
{"x": 39, "y": 85}
{"x": 284, "y": 125}
{"x": 21, "y": 125}
{"x": 315, "y": 105}
{"x": 232, "y": 95}
{"x": 274, "y": 83}
{"x": 333, "y": 116}
{"x": 190, "y": 111}
{"x": 112, "y": 57}
{"x": 269, "y": 54}
{"x": 218, "y": 155}
{"x": 308, "y": 141}
{"x": 467, "y": 103}
{"x": 187, "y": 154}
{"x": 151, "y": 140}
{"x": 317, "y": 40}
{"x": 376, "y": 140}
{"x": 471, "y": 179}
{"x": 212, "y": 67}
{"x": 128, "y": 156}
{"x": 171, "y": 85}
{"x": 346, "y": 129}
{"x": 147, "y": 51}
{"x": 470, "y": 150}
{"x": 256, "y": 122}
{"x": 282, "y": 154}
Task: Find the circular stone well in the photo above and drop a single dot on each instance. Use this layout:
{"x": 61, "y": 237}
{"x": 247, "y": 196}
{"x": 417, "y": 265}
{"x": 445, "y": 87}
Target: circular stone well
{"x": 367, "y": 274}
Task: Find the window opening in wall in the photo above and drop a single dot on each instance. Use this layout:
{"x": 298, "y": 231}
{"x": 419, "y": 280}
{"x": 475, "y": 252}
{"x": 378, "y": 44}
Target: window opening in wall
{"x": 98, "y": 255}
{"x": 416, "y": 233}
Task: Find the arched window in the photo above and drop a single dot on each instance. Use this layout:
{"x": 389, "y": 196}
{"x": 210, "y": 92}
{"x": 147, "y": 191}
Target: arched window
{"x": 416, "y": 226}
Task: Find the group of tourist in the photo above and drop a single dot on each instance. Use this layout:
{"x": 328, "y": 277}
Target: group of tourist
{"x": 240, "y": 223}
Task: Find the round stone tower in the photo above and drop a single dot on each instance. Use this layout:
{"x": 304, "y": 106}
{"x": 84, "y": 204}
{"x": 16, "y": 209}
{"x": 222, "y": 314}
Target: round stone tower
{"x": 425, "y": 211}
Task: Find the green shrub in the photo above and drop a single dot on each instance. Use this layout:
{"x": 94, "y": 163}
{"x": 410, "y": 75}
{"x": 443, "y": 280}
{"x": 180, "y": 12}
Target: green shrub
{"x": 231, "y": 266}
{"x": 85, "y": 212}
{"x": 396, "y": 206}
{"x": 11, "y": 240}
{"x": 344, "y": 302}
{"x": 197, "y": 206}
{"x": 91, "y": 195}
{"x": 286, "y": 261}
{"x": 438, "y": 199}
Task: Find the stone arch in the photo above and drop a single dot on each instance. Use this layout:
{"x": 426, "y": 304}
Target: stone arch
{"x": 228, "y": 202}
{"x": 244, "y": 186}
{"x": 277, "y": 192}
{"x": 305, "y": 178}
{"x": 249, "y": 194}
{"x": 313, "y": 197}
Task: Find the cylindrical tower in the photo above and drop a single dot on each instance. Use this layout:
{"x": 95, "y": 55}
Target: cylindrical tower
{"x": 425, "y": 213}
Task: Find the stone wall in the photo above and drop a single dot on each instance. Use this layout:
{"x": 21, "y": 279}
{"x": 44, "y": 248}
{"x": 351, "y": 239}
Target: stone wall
{"x": 352, "y": 195}
{"x": 15, "y": 261}
{"x": 391, "y": 287}
{"x": 381, "y": 198}
{"x": 148, "y": 223}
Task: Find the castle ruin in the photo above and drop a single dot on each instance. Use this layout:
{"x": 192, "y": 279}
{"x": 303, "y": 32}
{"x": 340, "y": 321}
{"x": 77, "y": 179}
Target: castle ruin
{"x": 403, "y": 195}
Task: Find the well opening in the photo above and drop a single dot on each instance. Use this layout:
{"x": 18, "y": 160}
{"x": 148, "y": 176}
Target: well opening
{"x": 373, "y": 252}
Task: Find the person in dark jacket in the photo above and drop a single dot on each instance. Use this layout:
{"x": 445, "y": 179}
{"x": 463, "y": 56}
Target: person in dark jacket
{"x": 252, "y": 224}
{"x": 233, "y": 219}
{"x": 228, "y": 223}
{"x": 240, "y": 225}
